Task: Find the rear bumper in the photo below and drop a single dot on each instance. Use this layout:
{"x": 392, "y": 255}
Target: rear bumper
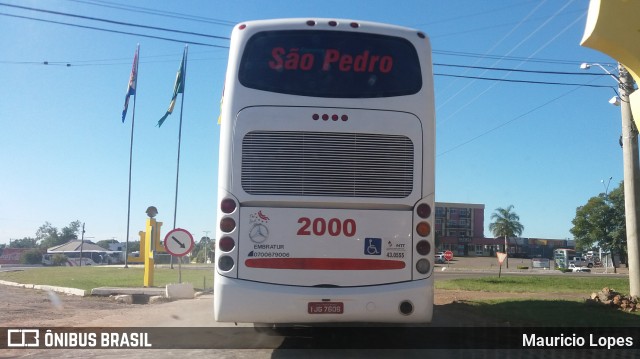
{"x": 251, "y": 302}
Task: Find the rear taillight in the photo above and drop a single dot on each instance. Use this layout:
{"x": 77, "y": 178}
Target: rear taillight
{"x": 423, "y": 229}
{"x": 227, "y": 224}
{"x": 422, "y": 234}
{"x": 225, "y": 263}
{"x": 228, "y": 206}
{"x": 423, "y": 266}
{"x": 423, "y": 248}
{"x": 226, "y": 244}
{"x": 423, "y": 210}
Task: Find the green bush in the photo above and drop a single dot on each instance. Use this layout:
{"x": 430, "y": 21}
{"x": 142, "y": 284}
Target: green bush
{"x": 59, "y": 260}
{"x": 523, "y": 267}
{"x": 32, "y": 256}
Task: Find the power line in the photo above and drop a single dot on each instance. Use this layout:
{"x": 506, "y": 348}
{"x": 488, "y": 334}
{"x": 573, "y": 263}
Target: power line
{"x": 506, "y": 123}
{"x": 521, "y": 81}
{"x": 113, "y": 31}
{"x": 435, "y": 51}
{"x": 144, "y": 10}
{"x": 524, "y": 71}
{"x": 507, "y": 58}
{"x": 112, "y": 21}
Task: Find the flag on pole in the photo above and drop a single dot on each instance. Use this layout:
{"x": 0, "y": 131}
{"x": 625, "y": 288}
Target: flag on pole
{"x": 131, "y": 88}
{"x": 177, "y": 88}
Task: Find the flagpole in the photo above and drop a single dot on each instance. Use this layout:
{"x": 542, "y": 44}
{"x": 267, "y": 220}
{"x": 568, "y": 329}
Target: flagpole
{"x": 175, "y": 204}
{"x": 133, "y": 121}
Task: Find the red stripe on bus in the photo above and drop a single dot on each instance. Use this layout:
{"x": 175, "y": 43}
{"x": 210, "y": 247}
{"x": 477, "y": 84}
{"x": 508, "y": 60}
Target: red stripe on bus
{"x": 324, "y": 263}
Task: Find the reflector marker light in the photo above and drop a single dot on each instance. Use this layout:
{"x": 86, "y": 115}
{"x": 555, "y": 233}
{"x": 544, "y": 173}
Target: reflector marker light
{"x": 334, "y": 117}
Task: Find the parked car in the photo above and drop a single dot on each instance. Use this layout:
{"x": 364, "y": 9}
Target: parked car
{"x": 581, "y": 262}
{"x": 440, "y": 258}
{"x": 576, "y": 269}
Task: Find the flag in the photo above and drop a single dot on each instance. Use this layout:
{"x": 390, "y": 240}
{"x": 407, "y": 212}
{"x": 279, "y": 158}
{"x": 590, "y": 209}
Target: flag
{"x": 131, "y": 88}
{"x": 177, "y": 88}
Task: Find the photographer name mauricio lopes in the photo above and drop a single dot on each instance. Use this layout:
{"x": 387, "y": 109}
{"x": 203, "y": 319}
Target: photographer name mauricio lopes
{"x": 575, "y": 341}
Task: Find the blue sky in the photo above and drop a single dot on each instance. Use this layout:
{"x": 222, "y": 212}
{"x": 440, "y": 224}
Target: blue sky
{"x": 65, "y": 152}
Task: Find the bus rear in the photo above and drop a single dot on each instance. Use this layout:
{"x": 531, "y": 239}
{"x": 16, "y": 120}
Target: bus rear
{"x": 326, "y": 178}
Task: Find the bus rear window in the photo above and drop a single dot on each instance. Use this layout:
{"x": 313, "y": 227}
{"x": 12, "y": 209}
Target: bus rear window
{"x": 330, "y": 64}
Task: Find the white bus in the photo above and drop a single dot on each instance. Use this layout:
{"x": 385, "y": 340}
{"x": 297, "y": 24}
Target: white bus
{"x": 326, "y": 174}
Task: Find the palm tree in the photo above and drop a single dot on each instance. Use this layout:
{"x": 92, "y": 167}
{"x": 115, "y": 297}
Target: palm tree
{"x": 506, "y": 224}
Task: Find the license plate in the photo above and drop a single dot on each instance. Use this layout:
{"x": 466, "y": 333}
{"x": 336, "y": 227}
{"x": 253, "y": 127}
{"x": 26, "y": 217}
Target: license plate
{"x": 325, "y": 308}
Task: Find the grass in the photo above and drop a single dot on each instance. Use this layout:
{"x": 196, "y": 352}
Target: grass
{"x": 88, "y": 278}
{"x": 535, "y": 284}
{"x": 549, "y": 312}
{"x": 545, "y": 313}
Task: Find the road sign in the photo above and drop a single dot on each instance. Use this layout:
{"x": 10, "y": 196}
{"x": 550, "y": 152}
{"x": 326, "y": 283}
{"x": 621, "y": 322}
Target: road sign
{"x": 448, "y": 255}
{"x": 178, "y": 242}
{"x": 501, "y": 257}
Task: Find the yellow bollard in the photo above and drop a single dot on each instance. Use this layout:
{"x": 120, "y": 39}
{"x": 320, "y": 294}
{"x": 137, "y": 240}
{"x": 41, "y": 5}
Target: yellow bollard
{"x": 152, "y": 235}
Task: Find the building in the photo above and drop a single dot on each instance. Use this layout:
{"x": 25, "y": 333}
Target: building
{"x": 459, "y": 227}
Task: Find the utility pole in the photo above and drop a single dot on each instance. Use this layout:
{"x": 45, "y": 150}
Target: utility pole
{"x": 631, "y": 180}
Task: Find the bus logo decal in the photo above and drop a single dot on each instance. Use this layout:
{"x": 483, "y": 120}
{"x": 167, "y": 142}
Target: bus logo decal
{"x": 373, "y": 246}
{"x": 258, "y": 217}
{"x": 259, "y": 233}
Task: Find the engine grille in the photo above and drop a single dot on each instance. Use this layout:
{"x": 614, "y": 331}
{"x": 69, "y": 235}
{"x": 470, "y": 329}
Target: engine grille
{"x": 327, "y": 164}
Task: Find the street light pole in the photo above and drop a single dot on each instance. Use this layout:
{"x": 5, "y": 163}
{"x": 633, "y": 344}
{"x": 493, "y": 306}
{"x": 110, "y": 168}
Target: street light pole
{"x": 629, "y": 142}
{"x": 631, "y": 179}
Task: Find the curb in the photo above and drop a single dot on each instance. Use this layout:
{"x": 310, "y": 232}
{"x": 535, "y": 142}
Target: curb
{"x": 68, "y": 291}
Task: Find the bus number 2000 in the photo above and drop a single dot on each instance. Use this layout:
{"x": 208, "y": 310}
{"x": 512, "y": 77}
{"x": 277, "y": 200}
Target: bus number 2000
{"x": 319, "y": 227}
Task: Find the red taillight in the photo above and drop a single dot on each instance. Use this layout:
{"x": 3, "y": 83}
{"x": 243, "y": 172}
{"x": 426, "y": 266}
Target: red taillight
{"x": 226, "y": 244}
{"x": 354, "y": 25}
{"x": 228, "y": 205}
{"x": 423, "y": 210}
{"x": 423, "y": 248}
{"x": 242, "y": 27}
{"x": 227, "y": 225}
{"x": 423, "y": 229}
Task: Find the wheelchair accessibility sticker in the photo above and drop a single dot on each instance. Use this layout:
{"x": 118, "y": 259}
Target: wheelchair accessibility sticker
{"x": 373, "y": 246}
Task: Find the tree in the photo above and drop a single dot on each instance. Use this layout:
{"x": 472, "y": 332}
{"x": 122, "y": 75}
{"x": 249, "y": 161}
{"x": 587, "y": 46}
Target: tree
{"x": 506, "y": 224}
{"x": 32, "y": 256}
{"x": 26, "y": 242}
{"x": 49, "y": 236}
{"x": 105, "y": 243}
{"x": 203, "y": 250}
{"x": 601, "y": 222}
